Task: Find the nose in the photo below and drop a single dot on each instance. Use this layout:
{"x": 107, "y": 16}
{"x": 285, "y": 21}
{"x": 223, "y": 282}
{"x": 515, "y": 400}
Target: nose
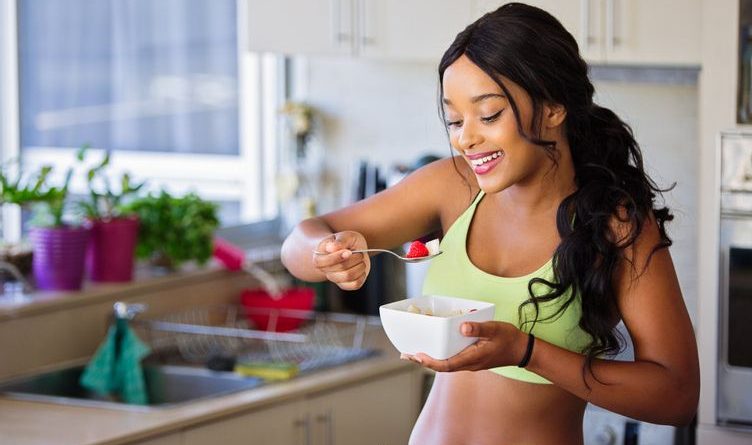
{"x": 468, "y": 137}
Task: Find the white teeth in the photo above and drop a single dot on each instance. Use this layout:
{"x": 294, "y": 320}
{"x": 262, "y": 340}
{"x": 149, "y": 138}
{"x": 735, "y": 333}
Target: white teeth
{"x": 485, "y": 159}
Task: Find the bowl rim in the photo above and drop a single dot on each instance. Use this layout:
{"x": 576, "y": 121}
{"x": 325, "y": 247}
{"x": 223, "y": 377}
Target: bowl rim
{"x": 393, "y": 306}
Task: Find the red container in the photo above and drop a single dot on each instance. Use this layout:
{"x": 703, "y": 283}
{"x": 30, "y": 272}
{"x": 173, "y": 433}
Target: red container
{"x": 267, "y": 313}
{"x": 109, "y": 257}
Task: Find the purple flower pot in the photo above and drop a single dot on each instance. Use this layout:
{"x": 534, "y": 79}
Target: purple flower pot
{"x": 109, "y": 257}
{"x": 59, "y": 254}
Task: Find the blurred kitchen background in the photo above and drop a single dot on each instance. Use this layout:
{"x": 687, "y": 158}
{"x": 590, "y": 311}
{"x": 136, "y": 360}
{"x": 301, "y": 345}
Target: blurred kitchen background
{"x": 276, "y": 110}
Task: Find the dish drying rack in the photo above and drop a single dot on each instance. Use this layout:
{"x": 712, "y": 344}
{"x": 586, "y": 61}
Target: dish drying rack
{"x": 323, "y": 339}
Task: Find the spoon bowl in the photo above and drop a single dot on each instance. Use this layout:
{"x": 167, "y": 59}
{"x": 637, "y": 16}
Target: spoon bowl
{"x": 419, "y": 259}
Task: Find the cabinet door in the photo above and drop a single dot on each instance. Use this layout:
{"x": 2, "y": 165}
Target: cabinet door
{"x": 373, "y": 413}
{"x": 285, "y": 424}
{"x": 300, "y": 26}
{"x": 582, "y": 18}
{"x": 662, "y": 32}
{"x": 409, "y": 29}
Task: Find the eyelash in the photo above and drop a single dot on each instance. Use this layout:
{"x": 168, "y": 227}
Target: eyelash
{"x": 487, "y": 119}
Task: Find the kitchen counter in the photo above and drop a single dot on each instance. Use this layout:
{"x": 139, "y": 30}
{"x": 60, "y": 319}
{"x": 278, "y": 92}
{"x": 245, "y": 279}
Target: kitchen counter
{"x": 35, "y": 423}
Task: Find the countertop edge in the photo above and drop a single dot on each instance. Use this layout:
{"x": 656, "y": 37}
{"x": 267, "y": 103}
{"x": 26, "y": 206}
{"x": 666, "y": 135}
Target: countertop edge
{"x": 131, "y": 427}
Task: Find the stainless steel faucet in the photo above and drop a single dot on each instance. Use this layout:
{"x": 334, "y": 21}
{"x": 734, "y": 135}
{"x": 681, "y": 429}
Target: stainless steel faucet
{"x": 128, "y": 311}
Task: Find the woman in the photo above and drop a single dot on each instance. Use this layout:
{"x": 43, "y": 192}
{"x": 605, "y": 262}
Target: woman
{"x": 547, "y": 212}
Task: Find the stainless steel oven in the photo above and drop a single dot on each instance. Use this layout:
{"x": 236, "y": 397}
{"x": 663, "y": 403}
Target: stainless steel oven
{"x": 735, "y": 294}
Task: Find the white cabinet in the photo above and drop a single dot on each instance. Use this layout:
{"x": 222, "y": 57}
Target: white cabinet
{"x": 662, "y": 32}
{"x": 388, "y": 29}
{"x": 374, "y": 412}
{"x": 282, "y": 424}
{"x": 378, "y": 412}
{"x": 639, "y": 32}
{"x": 301, "y": 26}
{"x": 409, "y": 29}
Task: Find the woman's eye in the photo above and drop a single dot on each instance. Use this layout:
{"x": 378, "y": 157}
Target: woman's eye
{"x": 453, "y": 123}
{"x": 493, "y": 117}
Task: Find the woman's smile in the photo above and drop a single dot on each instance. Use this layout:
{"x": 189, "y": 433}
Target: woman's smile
{"x": 485, "y": 162}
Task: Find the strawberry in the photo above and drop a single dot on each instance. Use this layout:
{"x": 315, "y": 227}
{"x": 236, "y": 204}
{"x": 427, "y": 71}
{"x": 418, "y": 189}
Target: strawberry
{"x": 417, "y": 250}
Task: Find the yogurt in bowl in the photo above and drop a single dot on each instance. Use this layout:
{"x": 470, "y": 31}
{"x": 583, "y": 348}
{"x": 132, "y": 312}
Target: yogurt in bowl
{"x": 431, "y": 324}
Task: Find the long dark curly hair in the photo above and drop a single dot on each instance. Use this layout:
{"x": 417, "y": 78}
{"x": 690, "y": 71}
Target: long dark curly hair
{"x": 532, "y": 49}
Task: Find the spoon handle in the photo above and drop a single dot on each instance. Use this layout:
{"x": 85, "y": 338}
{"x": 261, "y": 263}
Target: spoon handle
{"x": 363, "y": 251}
{"x": 406, "y": 259}
{"x": 375, "y": 250}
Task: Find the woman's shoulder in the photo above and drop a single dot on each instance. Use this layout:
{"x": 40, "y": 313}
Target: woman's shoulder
{"x": 452, "y": 184}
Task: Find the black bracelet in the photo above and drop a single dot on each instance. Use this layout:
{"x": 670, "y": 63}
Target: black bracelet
{"x": 528, "y": 351}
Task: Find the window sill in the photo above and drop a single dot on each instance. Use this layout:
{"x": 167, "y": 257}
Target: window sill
{"x": 146, "y": 280}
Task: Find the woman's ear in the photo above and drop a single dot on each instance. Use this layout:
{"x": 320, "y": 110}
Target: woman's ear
{"x": 553, "y": 115}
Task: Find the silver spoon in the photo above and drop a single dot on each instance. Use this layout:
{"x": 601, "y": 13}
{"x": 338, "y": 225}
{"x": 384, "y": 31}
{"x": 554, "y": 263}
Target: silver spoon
{"x": 403, "y": 258}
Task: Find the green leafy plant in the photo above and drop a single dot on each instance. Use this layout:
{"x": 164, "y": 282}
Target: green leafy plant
{"x": 104, "y": 201}
{"x": 49, "y": 209}
{"x": 24, "y": 189}
{"x": 174, "y": 230}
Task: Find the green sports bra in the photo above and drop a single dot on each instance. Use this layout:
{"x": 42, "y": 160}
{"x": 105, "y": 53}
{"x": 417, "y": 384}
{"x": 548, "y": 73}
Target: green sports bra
{"x": 453, "y": 274}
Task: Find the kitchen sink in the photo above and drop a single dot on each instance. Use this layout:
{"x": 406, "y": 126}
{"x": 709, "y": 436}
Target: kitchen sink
{"x": 167, "y": 386}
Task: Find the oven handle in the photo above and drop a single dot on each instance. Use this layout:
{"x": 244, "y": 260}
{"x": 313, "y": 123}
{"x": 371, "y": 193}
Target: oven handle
{"x": 736, "y": 214}
{"x": 723, "y": 294}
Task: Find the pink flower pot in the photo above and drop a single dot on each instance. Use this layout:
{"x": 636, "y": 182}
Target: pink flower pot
{"x": 59, "y": 254}
{"x": 110, "y": 255}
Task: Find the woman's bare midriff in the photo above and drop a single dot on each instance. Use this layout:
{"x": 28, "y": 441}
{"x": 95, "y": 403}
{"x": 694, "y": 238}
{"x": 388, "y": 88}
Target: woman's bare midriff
{"x": 484, "y": 408}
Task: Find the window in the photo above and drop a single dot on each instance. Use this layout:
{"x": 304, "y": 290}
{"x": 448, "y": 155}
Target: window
{"x": 166, "y": 85}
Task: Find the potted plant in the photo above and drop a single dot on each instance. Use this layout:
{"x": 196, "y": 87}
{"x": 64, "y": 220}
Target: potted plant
{"x": 59, "y": 246}
{"x": 113, "y": 231}
{"x": 174, "y": 230}
{"x": 22, "y": 190}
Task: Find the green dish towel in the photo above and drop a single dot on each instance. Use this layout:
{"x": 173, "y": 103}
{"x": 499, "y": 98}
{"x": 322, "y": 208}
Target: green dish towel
{"x": 115, "y": 369}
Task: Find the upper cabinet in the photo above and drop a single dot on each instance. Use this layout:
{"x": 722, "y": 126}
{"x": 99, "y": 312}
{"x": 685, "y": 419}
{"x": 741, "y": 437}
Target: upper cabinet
{"x": 391, "y": 29}
{"x": 301, "y": 26}
{"x": 638, "y": 32}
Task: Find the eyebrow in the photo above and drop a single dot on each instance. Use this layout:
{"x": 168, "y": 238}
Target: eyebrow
{"x": 480, "y": 98}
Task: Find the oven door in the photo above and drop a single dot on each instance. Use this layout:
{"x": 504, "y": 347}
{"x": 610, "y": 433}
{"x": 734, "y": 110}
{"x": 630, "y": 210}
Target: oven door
{"x": 735, "y": 327}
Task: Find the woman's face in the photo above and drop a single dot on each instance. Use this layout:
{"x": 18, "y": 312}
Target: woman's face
{"x": 483, "y": 129}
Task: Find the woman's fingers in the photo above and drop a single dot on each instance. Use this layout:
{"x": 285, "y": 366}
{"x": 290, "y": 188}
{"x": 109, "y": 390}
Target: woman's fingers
{"x": 339, "y": 264}
{"x": 337, "y": 261}
{"x": 471, "y": 358}
{"x": 348, "y": 275}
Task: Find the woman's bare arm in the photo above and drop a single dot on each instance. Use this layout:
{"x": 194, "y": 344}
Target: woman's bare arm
{"x": 404, "y": 212}
{"x": 662, "y": 384}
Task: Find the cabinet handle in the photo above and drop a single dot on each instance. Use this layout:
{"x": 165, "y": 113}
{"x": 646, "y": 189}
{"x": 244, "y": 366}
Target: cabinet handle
{"x": 586, "y": 38}
{"x": 611, "y": 38}
{"x": 326, "y": 419}
{"x": 305, "y": 423}
{"x": 366, "y": 39}
{"x": 339, "y": 36}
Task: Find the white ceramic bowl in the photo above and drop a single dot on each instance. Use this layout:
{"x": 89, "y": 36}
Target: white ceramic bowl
{"x": 437, "y": 335}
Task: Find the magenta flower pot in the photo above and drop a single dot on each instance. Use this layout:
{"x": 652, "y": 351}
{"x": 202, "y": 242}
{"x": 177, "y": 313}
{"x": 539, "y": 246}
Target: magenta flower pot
{"x": 59, "y": 254}
{"x": 110, "y": 254}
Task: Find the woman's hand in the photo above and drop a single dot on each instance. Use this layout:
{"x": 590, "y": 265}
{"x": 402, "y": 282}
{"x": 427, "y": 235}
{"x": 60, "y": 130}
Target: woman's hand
{"x": 340, "y": 266}
{"x": 499, "y": 344}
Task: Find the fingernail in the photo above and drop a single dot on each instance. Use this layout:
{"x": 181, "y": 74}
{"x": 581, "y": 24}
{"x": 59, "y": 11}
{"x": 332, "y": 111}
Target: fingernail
{"x": 466, "y": 329}
{"x": 346, "y": 254}
{"x": 417, "y": 360}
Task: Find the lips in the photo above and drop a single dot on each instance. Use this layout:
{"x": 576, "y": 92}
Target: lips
{"x": 483, "y": 163}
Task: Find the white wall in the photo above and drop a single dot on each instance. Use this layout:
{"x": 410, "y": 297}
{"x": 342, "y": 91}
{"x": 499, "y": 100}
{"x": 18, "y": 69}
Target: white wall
{"x": 387, "y": 112}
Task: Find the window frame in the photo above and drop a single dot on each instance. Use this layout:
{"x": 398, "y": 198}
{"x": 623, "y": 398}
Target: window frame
{"x": 247, "y": 177}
